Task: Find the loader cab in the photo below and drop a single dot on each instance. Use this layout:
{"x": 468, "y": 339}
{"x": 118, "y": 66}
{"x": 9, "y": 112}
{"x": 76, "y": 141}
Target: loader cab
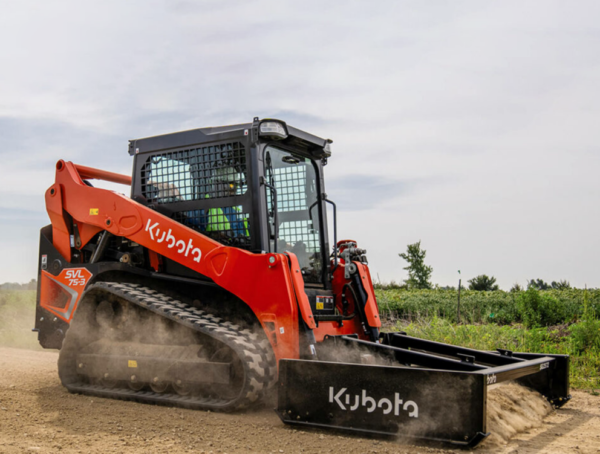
{"x": 257, "y": 186}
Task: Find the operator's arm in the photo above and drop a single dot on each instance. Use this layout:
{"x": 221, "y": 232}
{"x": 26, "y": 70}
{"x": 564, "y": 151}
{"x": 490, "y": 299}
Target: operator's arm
{"x": 167, "y": 192}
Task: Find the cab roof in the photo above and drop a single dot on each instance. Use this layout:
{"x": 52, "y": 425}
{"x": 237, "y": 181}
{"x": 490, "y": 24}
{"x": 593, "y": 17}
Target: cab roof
{"x": 200, "y": 136}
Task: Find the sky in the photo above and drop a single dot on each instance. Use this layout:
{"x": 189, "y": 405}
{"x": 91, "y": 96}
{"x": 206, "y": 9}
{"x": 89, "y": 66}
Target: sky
{"x": 471, "y": 126}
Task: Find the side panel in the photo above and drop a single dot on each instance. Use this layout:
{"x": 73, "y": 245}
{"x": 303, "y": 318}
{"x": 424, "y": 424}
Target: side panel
{"x": 51, "y": 329}
{"x": 554, "y": 384}
{"x": 404, "y": 402}
{"x": 60, "y": 294}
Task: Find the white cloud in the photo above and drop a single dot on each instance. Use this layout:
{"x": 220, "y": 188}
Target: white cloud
{"x": 479, "y": 117}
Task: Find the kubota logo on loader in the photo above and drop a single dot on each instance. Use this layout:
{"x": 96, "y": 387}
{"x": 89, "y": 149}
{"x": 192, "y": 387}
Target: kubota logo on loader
{"x": 182, "y": 248}
{"x": 343, "y": 399}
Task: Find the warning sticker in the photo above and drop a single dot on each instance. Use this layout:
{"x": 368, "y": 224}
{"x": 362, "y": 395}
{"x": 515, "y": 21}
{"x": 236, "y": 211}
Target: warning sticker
{"x": 324, "y": 303}
{"x": 132, "y": 363}
{"x": 94, "y": 211}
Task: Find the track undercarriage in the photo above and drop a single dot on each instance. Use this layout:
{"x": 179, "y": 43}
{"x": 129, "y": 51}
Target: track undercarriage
{"x": 131, "y": 342}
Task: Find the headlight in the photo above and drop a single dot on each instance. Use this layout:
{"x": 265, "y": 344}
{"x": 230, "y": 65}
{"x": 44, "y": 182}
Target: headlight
{"x": 272, "y": 129}
{"x": 327, "y": 148}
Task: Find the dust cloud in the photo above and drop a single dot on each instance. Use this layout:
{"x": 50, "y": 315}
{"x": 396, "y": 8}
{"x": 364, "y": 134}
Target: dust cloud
{"x": 17, "y": 318}
{"x": 144, "y": 327}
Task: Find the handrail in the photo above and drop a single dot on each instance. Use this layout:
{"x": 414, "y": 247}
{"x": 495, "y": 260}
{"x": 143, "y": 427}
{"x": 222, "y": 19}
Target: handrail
{"x": 275, "y": 216}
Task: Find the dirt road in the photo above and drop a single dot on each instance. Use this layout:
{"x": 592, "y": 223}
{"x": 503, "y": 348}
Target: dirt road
{"x": 38, "y": 415}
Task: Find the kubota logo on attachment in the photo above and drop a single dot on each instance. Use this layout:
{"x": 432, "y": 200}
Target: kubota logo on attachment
{"x": 182, "y": 247}
{"x": 343, "y": 399}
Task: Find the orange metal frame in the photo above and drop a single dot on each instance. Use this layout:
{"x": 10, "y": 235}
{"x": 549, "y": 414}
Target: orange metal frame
{"x": 267, "y": 283}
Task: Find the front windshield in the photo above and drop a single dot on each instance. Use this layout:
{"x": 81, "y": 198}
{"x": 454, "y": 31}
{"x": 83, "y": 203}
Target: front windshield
{"x": 295, "y": 179}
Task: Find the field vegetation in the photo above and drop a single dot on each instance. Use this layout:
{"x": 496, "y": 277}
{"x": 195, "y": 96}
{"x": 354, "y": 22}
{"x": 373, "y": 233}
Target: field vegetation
{"x": 538, "y": 321}
{"x": 17, "y": 318}
{"x": 532, "y": 307}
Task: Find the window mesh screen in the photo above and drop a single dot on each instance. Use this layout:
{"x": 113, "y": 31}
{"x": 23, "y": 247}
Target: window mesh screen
{"x": 291, "y": 183}
{"x": 294, "y": 232}
{"x": 207, "y": 172}
{"x": 202, "y": 173}
{"x": 228, "y": 225}
{"x": 295, "y": 180}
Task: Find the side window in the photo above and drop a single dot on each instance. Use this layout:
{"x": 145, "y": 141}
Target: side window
{"x": 169, "y": 181}
{"x": 203, "y": 175}
{"x": 299, "y": 229}
{"x": 213, "y": 172}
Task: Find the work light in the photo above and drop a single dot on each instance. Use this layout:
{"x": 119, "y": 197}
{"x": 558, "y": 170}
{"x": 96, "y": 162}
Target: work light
{"x": 273, "y": 129}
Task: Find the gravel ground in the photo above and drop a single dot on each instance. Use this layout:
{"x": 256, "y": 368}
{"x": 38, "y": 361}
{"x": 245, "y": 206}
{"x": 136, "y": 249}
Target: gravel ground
{"x": 38, "y": 415}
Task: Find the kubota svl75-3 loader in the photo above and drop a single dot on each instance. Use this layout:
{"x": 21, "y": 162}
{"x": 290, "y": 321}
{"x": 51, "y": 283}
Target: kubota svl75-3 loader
{"x": 215, "y": 281}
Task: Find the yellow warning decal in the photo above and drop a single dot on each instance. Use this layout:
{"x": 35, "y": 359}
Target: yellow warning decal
{"x": 94, "y": 211}
{"x": 132, "y": 363}
{"x": 320, "y": 306}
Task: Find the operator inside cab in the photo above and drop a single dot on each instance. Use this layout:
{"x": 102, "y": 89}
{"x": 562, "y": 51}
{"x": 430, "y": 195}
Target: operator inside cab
{"x": 227, "y": 220}
{"x": 225, "y": 223}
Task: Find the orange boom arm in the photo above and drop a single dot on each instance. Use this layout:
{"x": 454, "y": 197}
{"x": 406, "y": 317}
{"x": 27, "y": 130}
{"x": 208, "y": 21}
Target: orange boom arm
{"x": 271, "y": 287}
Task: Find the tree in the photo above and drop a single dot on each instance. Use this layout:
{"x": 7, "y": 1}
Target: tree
{"x": 561, "y": 285}
{"x": 538, "y": 284}
{"x": 516, "y": 288}
{"x": 418, "y": 273}
{"x": 31, "y": 286}
{"x": 483, "y": 283}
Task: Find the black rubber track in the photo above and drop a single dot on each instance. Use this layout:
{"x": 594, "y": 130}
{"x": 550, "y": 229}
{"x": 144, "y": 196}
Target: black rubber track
{"x": 252, "y": 348}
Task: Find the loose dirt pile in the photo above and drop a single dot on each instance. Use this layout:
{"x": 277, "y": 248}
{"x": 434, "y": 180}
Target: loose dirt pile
{"x": 38, "y": 415}
{"x": 512, "y": 409}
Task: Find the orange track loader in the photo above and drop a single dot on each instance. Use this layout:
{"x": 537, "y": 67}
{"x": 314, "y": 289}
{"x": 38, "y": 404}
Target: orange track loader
{"x": 214, "y": 282}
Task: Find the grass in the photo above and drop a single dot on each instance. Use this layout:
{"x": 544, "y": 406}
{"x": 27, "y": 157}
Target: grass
{"x": 585, "y": 362}
{"x": 17, "y": 318}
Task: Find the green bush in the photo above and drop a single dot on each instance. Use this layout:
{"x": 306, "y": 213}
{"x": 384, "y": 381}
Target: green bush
{"x": 537, "y": 309}
{"x": 506, "y": 314}
{"x": 585, "y": 336}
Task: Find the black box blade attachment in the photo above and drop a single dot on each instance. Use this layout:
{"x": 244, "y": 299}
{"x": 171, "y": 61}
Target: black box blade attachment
{"x": 407, "y": 400}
